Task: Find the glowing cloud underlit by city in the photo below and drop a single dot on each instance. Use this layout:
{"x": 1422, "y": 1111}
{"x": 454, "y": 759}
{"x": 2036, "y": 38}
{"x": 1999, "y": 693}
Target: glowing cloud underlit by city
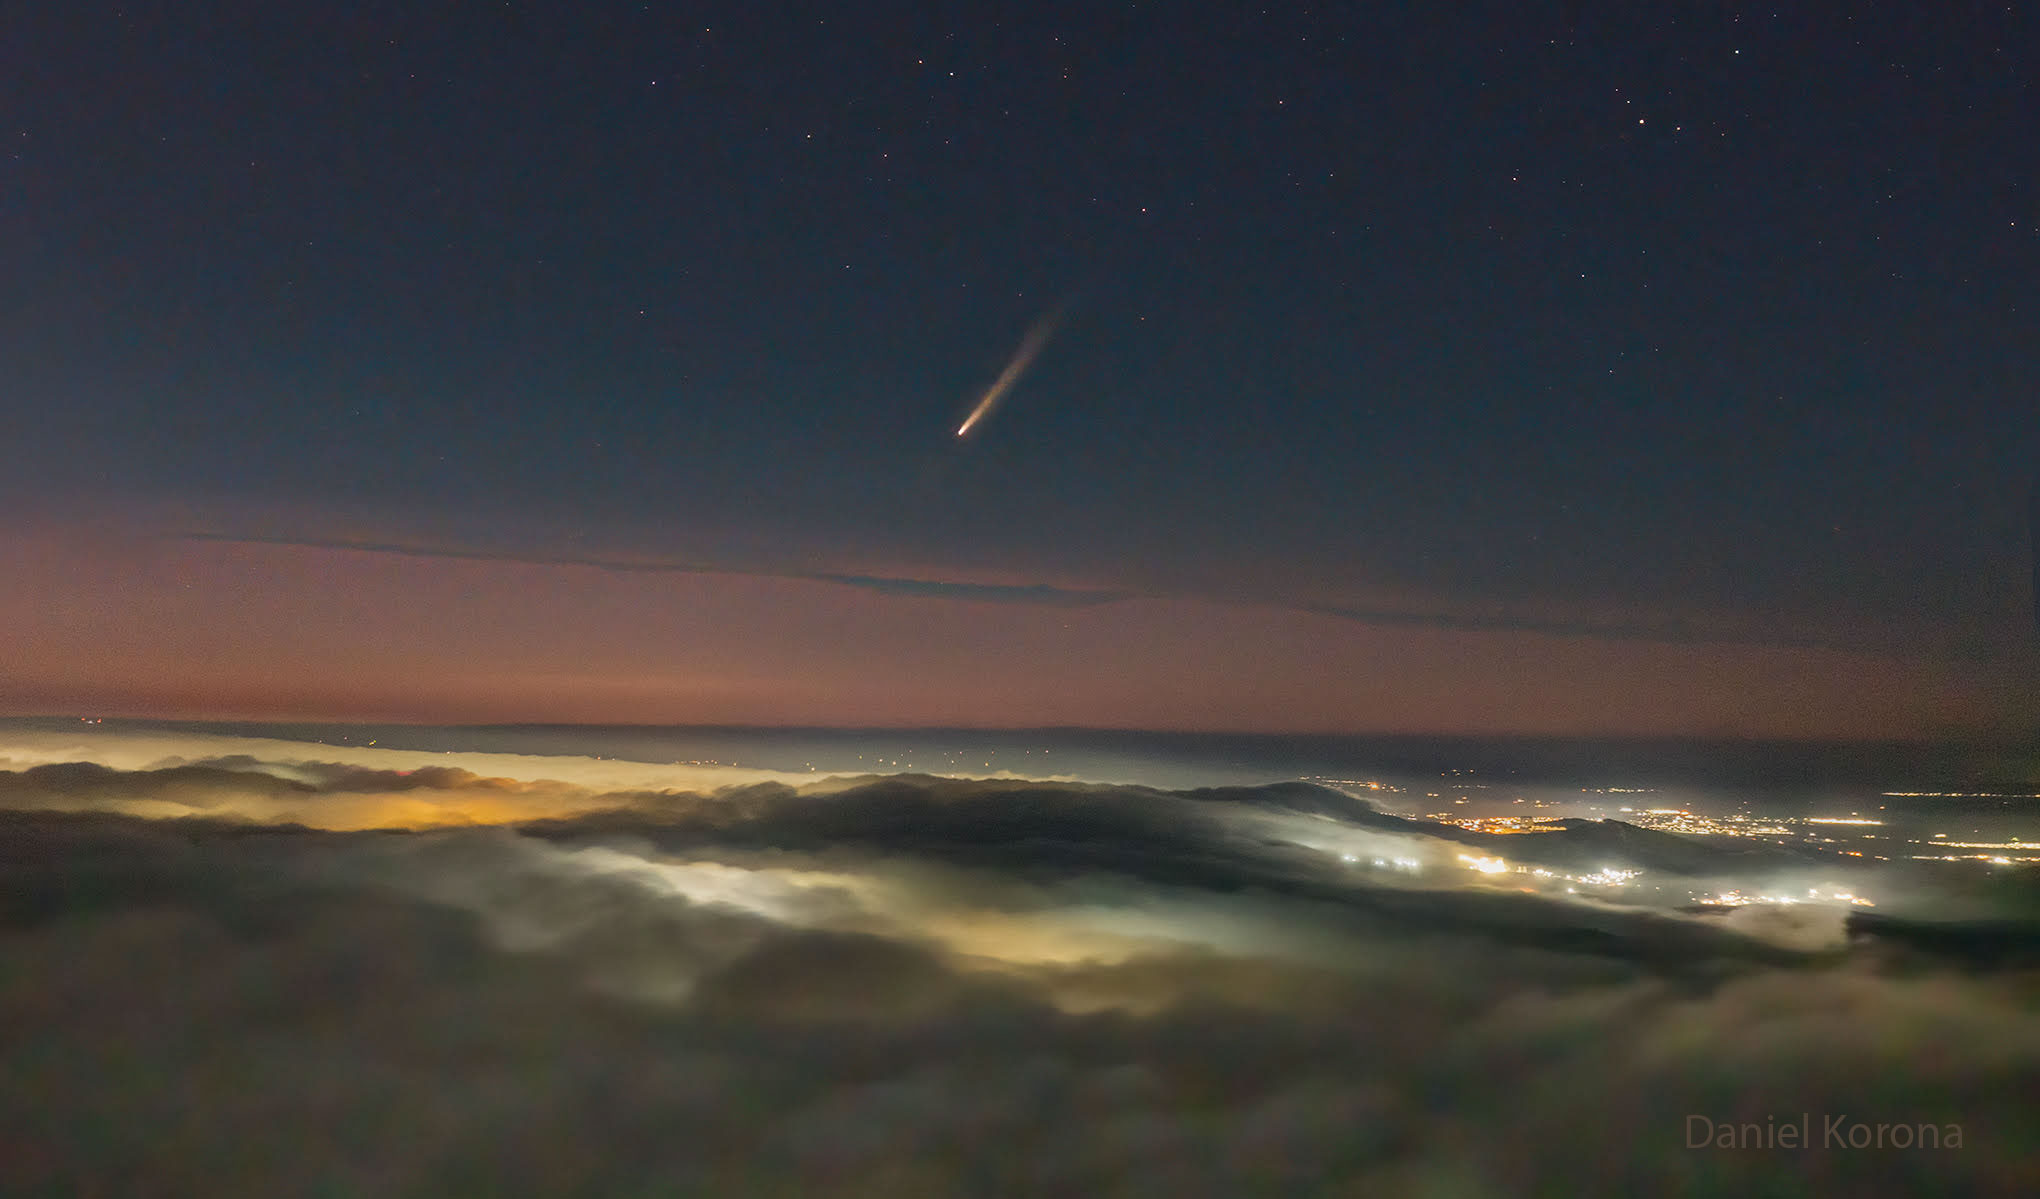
{"x": 1215, "y": 988}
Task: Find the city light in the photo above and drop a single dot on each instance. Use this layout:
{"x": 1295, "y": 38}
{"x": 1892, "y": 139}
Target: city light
{"x": 1609, "y": 876}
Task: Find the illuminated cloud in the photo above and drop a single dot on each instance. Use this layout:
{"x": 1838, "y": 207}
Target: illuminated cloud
{"x": 875, "y": 984}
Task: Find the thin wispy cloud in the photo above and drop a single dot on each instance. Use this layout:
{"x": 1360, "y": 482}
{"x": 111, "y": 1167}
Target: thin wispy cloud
{"x": 997, "y": 593}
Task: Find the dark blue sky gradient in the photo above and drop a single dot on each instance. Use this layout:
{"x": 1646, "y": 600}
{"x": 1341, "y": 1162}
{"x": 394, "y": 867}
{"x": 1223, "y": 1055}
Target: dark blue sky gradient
{"x": 1683, "y": 317}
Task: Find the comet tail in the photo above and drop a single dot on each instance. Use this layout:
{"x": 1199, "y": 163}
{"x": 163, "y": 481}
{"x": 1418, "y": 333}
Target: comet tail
{"x": 1031, "y": 345}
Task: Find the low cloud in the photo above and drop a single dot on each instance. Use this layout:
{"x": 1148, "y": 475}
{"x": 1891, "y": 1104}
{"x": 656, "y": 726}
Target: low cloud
{"x": 912, "y": 986}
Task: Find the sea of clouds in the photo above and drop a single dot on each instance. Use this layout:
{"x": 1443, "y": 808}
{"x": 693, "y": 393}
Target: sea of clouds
{"x": 266, "y": 968}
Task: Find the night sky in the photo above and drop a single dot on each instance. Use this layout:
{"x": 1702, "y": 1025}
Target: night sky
{"x": 1446, "y": 368}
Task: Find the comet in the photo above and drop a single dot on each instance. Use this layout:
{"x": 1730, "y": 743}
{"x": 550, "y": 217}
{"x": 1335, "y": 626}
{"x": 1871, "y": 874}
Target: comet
{"x": 1030, "y": 347}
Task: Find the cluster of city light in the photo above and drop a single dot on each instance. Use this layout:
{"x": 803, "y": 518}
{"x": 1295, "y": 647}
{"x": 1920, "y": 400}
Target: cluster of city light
{"x": 1995, "y": 859}
{"x": 1365, "y": 784}
{"x": 1484, "y": 865}
{"x": 1959, "y": 795}
{"x": 1693, "y": 824}
{"x": 1689, "y": 823}
{"x": 1608, "y": 876}
{"x": 1502, "y": 825}
{"x": 1386, "y": 863}
{"x": 1833, "y": 832}
{"x": 1736, "y": 899}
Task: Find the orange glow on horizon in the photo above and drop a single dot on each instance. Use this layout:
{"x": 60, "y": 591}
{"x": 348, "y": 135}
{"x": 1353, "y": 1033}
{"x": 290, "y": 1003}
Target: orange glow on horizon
{"x": 260, "y": 631}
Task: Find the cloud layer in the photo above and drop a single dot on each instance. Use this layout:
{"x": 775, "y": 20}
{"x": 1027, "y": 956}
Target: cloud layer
{"x": 288, "y": 974}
